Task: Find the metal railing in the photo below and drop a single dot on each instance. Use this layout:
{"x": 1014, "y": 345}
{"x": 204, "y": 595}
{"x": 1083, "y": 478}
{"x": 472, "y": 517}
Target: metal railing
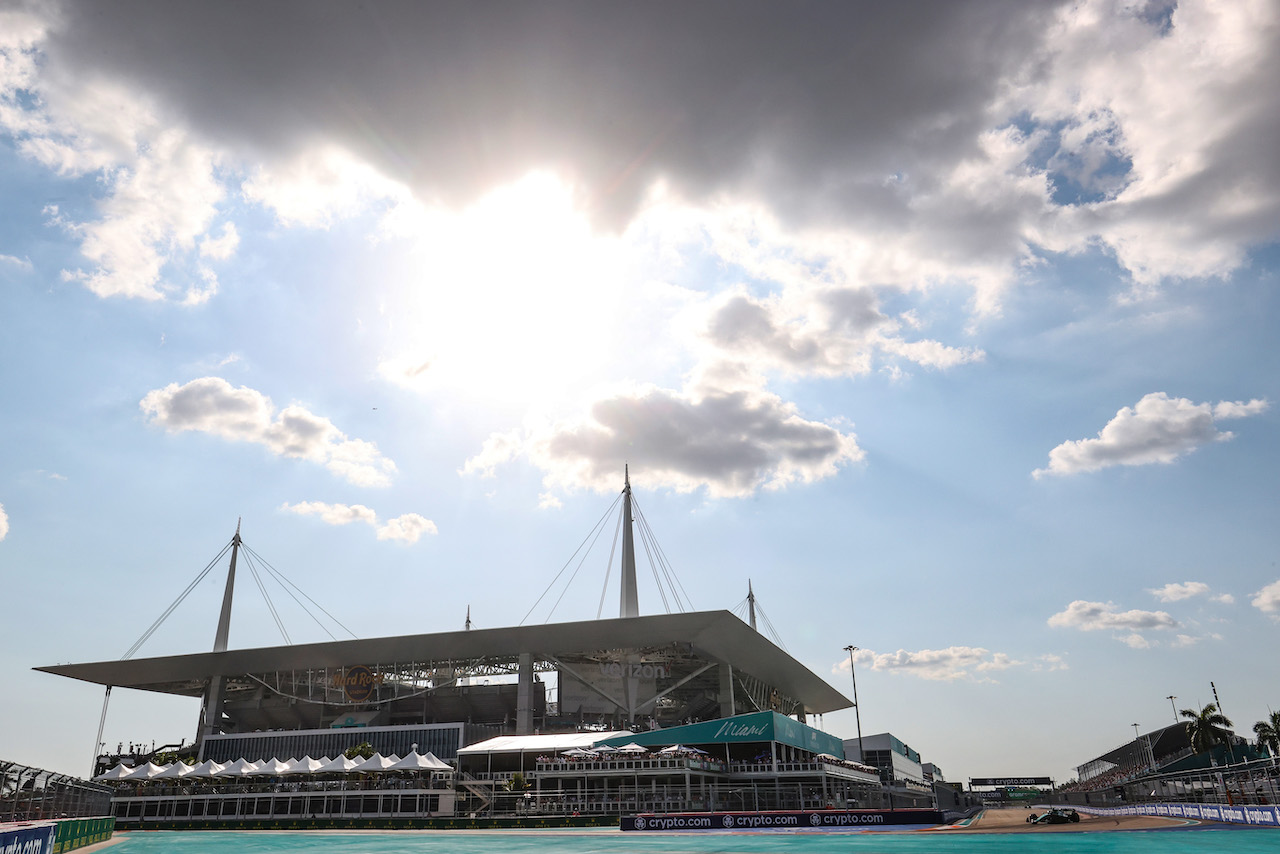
{"x": 1245, "y": 783}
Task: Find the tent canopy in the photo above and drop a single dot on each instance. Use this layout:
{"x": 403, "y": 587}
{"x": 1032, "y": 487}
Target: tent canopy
{"x": 415, "y": 761}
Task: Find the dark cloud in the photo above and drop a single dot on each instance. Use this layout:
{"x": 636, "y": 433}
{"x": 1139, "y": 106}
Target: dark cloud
{"x": 730, "y": 443}
{"x": 813, "y": 104}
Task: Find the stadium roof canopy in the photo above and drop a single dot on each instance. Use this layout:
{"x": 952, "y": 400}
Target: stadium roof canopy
{"x": 715, "y": 635}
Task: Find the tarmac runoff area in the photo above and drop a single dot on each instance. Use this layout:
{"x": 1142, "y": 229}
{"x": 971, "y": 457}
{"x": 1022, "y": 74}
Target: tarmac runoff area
{"x": 1015, "y": 821}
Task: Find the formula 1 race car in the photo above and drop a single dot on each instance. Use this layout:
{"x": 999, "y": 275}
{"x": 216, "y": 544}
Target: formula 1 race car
{"x": 1055, "y": 816}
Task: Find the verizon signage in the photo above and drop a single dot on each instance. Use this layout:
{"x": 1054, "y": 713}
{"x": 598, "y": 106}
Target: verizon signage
{"x": 1010, "y": 781}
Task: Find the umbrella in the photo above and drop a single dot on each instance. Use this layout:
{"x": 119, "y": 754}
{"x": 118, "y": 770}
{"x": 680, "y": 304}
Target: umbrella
{"x": 117, "y": 773}
{"x": 175, "y": 771}
{"x": 675, "y": 748}
{"x": 579, "y": 752}
{"x": 633, "y": 748}
{"x": 604, "y": 748}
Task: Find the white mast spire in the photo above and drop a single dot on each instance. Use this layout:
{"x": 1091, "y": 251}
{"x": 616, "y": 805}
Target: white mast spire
{"x": 630, "y": 606}
{"x": 751, "y": 604}
{"x": 224, "y": 620}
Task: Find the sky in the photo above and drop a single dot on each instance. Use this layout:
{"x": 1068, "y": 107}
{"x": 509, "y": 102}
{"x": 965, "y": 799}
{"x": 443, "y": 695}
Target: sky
{"x": 949, "y": 326}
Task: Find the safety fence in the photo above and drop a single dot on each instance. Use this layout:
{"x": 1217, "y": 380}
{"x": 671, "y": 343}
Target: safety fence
{"x": 33, "y": 794}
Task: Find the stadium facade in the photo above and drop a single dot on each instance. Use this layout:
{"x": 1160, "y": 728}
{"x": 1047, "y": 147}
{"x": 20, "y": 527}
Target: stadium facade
{"x": 651, "y": 679}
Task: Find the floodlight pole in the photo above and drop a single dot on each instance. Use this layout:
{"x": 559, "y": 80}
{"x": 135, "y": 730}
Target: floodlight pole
{"x": 1171, "y": 698}
{"x": 857, "y": 713}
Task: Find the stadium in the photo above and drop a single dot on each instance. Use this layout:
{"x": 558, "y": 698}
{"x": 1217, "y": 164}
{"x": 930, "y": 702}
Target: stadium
{"x": 506, "y": 704}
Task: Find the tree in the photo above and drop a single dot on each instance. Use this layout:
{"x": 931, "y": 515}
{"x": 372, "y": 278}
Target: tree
{"x": 364, "y": 749}
{"x": 1206, "y": 727}
{"x": 1268, "y": 733}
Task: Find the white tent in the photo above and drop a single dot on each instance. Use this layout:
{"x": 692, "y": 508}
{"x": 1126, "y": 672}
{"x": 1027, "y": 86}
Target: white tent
{"x": 378, "y": 762}
{"x": 340, "y": 765}
{"x": 271, "y": 768}
{"x": 239, "y": 768}
{"x": 207, "y": 768}
{"x": 633, "y": 748}
{"x": 305, "y": 765}
{"x": 415, "y": 761}
{"x": 145, "y": 772}
{"x": 175, "y": 771}
{"x": 117, "y": 773}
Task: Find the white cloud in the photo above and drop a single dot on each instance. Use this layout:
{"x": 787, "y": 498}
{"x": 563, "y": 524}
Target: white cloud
{"x": 1223, "y": 598}
{"x": 1163, "y": 125}
{"x": 408, "y": 528}
{"x": 954, "y": 662}
{"x": 4, "y": 523}
{"x": 211, "y": 405}
{"x": 1175, "y": 592}
{"x": 319, "y": 186}
{"x": 1158, "y": 429}
{"x": 1182, "y": 641}
{"x": 223, "y": 246}
{"x": 1134, "y": 641}
{"x": 730, "y": 443}
{"x": 936, "y": 149}
{"x": 1050, "y": 662}
{"x": 1239, "y": 409}
{"x": 1267, "y": 599}
{"x": 548, "y": 501}
{"x": 1096, "y": 616}
{"x": 823, "y": 331}
{"x": 23, "y": 264}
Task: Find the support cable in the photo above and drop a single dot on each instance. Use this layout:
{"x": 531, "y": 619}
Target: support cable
{"x": 688, "y": 602}
{"x": 271, "y": 606}
{"x": 280, "y": 576}
{"x": 173, "y": 605}
{"x": 653, "y": 567}
{"x": 769, "y": 625}
{"x": 598, "y": 523}
{"x": 608, "y": 568}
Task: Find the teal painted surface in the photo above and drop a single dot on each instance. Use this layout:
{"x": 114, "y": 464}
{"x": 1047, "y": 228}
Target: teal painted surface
{"x": 740, "y": 729}
{"x": 1195, "y": 841}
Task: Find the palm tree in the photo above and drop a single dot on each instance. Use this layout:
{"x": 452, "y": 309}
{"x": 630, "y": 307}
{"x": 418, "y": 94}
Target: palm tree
{"x": 1206, "y": 727}
{"x": 1268, "y": 733}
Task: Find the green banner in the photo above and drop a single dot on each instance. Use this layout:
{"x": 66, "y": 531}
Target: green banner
{"x": 754, "y": 727}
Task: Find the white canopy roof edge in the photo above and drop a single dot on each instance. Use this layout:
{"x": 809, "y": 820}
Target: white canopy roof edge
{"x": 175, "y": 771}
{"x": 271, "y": 768}
{"x": 338, "y": 765}
{"x": 554, "y": 743}
{"x": 239, "y": 768}
{"x": 415, "y": 761}
{"x": 145, "y": 772}
{"x": 207, "y": 768}
{"x": 117, "y": 773}
{"x": 378, "y": 762}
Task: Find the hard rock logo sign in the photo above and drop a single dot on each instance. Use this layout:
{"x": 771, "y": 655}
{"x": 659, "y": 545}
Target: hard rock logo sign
{"x": 357, "y": 682}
